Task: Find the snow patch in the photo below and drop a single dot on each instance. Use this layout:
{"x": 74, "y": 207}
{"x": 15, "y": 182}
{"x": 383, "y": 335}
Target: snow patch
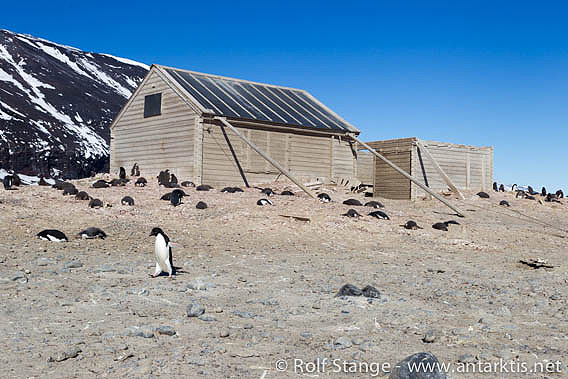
{"x": 105, "y": 79}
{"x": 51, "y": 51}
{"x": 128, "y": 61}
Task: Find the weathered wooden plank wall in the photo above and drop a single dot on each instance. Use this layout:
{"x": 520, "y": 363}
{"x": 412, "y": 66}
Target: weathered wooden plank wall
{"x": 468, "y": 167}
{"x": 305, "y": 156}
{"x": 158, "y": 142}
{"x": 455, "y": 160}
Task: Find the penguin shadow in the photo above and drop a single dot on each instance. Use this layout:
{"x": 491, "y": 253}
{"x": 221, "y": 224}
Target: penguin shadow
{"x": 177, "y": 271}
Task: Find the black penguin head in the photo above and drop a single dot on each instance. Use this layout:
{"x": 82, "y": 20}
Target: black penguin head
{"x": 156, "y": 231}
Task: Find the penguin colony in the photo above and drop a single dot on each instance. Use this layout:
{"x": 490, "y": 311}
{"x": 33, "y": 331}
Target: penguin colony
{"x": 162, "y": 245}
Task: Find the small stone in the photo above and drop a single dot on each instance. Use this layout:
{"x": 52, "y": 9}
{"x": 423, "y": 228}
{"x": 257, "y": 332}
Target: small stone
{"x": 199, "y": 284}
{"x": 467, "y": 358}
{"x": 306, "y": 335}
{"x": 73, "y": 264}
{"x": 165, "y": 330}
{"x": 44, "y": 262}
{"x": 218, "y": 310}
{"x": 248, "y": 326}
{"x": 556, "y": 296}
{"x": 429, "y": 337}
{"x": 224, "y": 333}
{"x": 27, "y": 272}
{"x": 135, "y": 331}
{"x": 316, "y": 305}
{"x": 195, "y": 310}
{"x": 244, "y": 314}
{"x": 342, "y": 343}
{"x": 269, "y": 302}
{"x": 67, "y": 354}
{"x": 207, "y": 318}
{"x": 106, "y": 268}
{"x": 357, "y": 341}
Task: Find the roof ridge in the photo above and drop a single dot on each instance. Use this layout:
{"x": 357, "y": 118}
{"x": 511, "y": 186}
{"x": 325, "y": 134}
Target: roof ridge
{"x": 229, "y": 78}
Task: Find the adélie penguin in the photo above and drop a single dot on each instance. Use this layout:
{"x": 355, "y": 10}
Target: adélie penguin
{"x": 163, "y": 253}
{"x": 175, "y": 198}
{"x": 411, "y": 225}
{"x": 374, "y": 204}
{"x": 352, "y": 213}
{"x": 92, "y": 232}
{"x": 380, "y": 215}
{"x": 263, "y": 202}
{"x": 324, "y": 197}
{"x": 52, "y": 235}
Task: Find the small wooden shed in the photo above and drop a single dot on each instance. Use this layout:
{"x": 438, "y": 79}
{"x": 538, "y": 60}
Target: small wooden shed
{"x": 172, "y": 122}
{"x": 468, "y": 167}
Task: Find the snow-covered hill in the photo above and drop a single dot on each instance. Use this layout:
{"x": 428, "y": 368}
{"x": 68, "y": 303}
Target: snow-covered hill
{"x": 56, "y": 105}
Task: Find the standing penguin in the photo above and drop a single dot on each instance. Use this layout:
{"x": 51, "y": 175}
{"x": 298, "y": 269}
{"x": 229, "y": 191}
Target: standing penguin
{"x": 122, "y": 173}
{"x": 495, "y": 187}
{"x": 8, "y": 181}
{"x": 163, "y": 252}
{"x": 135, "y": 170}
{"x": 173, "y": 180}
{"x": 543, "y": 192}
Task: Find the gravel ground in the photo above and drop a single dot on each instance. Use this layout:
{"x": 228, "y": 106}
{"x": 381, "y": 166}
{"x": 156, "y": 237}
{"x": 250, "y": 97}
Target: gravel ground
{"x": 261, "y": 288}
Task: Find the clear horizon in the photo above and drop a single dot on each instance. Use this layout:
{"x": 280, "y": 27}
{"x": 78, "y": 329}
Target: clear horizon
{"x": 481, "y": 74}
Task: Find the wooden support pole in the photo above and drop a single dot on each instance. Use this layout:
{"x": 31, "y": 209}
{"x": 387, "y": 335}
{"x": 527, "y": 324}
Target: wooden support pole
{"x": 265, "y": 156}
{"x": 412, "y": 179}
{"x": 439, "y": 169}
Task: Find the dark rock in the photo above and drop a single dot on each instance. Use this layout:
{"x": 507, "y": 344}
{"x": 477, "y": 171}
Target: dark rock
{"x": 403, "y": 369}
{"x": 370, "y": 291}
{"x": 349, "y": 290}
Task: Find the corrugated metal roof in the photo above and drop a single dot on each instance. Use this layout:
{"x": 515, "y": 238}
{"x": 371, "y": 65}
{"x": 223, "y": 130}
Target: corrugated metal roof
{"x": 241, "y": 99}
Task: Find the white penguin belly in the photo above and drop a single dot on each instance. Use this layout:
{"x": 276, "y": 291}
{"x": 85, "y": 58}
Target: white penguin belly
{"x": 162, "y": 251}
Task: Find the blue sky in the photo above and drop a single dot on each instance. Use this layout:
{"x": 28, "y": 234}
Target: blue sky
{"x": 483, "y": 73}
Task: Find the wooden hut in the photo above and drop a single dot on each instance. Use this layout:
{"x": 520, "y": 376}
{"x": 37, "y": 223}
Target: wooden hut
{"x": 172, "y": 121}
{"x": 467, "y": 167}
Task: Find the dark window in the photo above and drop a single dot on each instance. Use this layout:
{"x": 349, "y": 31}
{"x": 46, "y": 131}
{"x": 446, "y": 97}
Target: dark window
{"x": 153, "y": 105}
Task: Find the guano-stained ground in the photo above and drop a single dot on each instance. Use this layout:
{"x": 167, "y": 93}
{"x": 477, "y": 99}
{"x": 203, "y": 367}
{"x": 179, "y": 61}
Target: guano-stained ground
{"x": 465, "y": 286}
